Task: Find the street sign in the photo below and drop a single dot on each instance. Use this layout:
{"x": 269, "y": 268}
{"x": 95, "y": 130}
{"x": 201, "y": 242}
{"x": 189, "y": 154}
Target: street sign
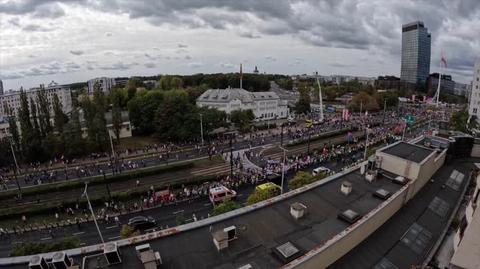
{"x": 409, "y": 119}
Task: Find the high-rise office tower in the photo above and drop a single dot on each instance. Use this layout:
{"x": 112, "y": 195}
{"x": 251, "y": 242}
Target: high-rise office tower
{"x": 1, "y": 87}
{"x": 416, "y": 46}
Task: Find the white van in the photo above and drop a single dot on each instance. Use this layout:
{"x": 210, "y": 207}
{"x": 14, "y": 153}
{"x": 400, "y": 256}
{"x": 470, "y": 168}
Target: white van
{"x": 321, "y": 170}
{"x": 220, "y": 193}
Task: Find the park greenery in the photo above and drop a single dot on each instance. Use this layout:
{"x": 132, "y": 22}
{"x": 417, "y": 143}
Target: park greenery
{"x": 225, "y": 206}
{"x": 128, "y": 231}
{"x": 460, "y": 121}
{"x": 303, "y": 178}
{"x": 259, "y": 195}
{"x": 31, "y": 248}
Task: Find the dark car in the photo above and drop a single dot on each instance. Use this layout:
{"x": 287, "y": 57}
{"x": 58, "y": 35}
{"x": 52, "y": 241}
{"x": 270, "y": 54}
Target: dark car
{"x": 142, "y": 223}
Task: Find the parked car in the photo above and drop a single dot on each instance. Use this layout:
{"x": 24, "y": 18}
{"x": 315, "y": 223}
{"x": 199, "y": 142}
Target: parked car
{"x": 142, "y": 222}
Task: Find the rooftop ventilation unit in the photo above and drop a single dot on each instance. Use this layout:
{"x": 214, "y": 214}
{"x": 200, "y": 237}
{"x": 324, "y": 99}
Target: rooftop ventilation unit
{"x": 371, "y": 175}
{"x": 60, "y": 260}
{"x": 349, "y": 216}
{"x": 220, "y": 239}
{"x": 346, "y": 188}
{"x": 400, "y": 180}
{"x": 287, "y": 252}
{"x": 231, "y": 232}
{"x": 37, "y": 262}
{"x": 382, "y": 194}
{"x": 112, "y": 253}
{"x": 298, "y": 210}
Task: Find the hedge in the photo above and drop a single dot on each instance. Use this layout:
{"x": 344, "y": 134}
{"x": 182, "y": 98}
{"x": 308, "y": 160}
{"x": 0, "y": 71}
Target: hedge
{"x": 94, "y": 180}
{"x": 127, "y": 195}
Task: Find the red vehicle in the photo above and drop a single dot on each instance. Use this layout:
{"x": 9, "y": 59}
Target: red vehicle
{"x": 164, "y": 195}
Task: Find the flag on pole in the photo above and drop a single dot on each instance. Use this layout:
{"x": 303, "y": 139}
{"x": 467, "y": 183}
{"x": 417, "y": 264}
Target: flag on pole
{"x": 345, "y": 114}
{"x": 443, "y": 60}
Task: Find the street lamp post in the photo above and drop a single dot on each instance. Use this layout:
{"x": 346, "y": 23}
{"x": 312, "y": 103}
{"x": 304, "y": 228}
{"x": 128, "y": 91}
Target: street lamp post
{"x": 16, "y": 170}
{"x": 91, "y": 211}
{"x": 201, "y": 127}
{"x": 309, "y": 135}
{"x": 366, "y": 144}
{"x": 283, "y": 168}
{"x": 113, "y": 152}
{"x": 384, "y": 110}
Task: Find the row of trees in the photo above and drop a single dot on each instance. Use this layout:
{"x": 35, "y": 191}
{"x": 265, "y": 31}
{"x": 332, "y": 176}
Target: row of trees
{"x": 40, "y": 130}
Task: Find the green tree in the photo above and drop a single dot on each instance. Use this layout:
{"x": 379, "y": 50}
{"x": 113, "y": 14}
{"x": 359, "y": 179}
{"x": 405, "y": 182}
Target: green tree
{"x": 212, "y": 118}
{"x": 260, "y": 195}
{"x": 43, "y": 112}
{"x": 142, "y": 109}
{"x": 303, "y": 178}
{"x": 224, "y": 207}
{"x": 175, "y": 119}
{"x": 364, "y": 101}
{"x": 303, "y": 104}
{"x": 242, "y": 118}
{"x": 59, "y": 118}
{"x": 128, "y": 231}
{"x": 459, "y": 121}
{"x": 13, "y": 127}
{"x": 116, "y": 115}
{"x": 74, "y": 142}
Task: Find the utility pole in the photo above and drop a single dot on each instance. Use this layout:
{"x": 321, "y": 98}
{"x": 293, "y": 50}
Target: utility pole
{"x": 113, "y": 153}
{"x": 384, "y": 110}
{"x": 320, "y": 100}
{"x": 281, "y": 136}
{"x": 93, "y": 213}
{"x": 231, "y": 156}
{"x": 107, "y": 186}
{"x": 309, "y": 135}
{"x": 201, "y": 127}
{"x": 15, "y": 171}
{"x": 366, "y": 144}
{"x": 283, "y": 167}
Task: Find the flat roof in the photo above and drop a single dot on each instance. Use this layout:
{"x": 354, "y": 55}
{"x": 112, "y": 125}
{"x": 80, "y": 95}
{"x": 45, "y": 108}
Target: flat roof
{"x": 409, "y": 235}
{"x": 411, "y": 152}
{"x": 261, "y": 230}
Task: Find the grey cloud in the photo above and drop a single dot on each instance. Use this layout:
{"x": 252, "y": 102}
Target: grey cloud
{"x": 195, "y": 65}
{"x": 227, "y": 65}
{"x": 149, "y": 65}
{"x": 108, "y": 34}
{"x": 248, "y": 34}
{"x": 10, "y": 76}
{"x": 35, "y": 28}
{"x": 119, "y": 66}
{"x": 188, "y": 57}
{"x": 14, "y": 21}
{"x": 180, "y": 45}
{"x": 270, "y": 58}
{"x": 52, "y": 11}
{"x": 76, "y": 52}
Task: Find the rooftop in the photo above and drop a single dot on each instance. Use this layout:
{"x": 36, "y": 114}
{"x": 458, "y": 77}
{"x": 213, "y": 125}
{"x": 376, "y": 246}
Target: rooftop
{"x": 411, "y": 233}
{"x": 226, "y": 95}
{"x": 261, "y": 231}
{"x": 411, "y": 152}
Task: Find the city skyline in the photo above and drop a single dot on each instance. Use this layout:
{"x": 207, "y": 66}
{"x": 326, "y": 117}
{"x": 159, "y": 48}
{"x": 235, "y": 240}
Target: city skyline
{"x": 72, "y": 41}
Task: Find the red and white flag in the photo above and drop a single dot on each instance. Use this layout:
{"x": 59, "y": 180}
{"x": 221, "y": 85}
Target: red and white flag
{"x": 345, "y": 114}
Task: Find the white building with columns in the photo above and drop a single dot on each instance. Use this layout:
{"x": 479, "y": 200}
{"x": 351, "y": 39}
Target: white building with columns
{"x": 265, "y": 105}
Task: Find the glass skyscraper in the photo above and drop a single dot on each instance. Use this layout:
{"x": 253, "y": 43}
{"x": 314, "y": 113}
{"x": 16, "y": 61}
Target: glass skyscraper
{"x": 416, "y": 46}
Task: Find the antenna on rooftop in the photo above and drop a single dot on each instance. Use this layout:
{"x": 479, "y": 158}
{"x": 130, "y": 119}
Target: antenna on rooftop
{"x": 241, "y": 77}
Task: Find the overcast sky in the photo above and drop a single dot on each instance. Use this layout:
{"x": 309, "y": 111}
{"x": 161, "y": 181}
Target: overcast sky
{"x": 75, "y": 40}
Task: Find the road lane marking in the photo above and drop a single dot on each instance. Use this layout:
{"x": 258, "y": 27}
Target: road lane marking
{"x": 79, "y": 233}
{"x": 207, "y": 204}
{"x": 46, "y": 238}
{"x": 176, "y": 212}
{"x": 111, "y": 227}
{"x": 113, "y": 238}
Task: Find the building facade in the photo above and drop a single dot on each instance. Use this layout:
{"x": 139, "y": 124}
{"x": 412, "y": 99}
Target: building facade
{"x": 1, "y": 87}
{"x": 447, "y": 85}
{"x": 104, "y": 83}
{"x": 474, "y": 104}
{"x": 12, "y": 99}
{"x": 463, "y": 89}
{"x": 265, "y": 105}
{"x": 416, "y": 46}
